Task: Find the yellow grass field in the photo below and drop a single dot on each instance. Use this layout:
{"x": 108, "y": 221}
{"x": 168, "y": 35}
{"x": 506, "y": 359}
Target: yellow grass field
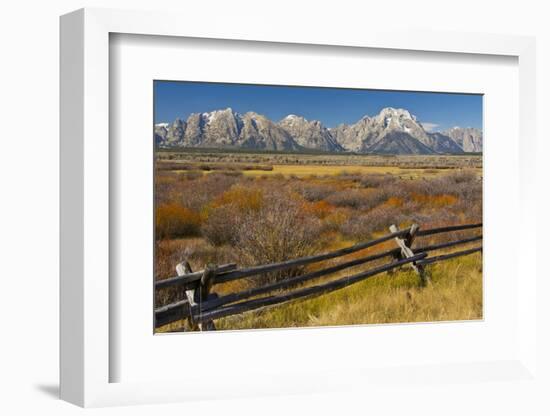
{"x": 302, "y": 171}
{"x": 455, "y": 294}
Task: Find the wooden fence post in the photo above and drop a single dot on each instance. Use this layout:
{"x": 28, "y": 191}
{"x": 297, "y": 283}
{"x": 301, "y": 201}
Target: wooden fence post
{"x": 184, "y": 268}
{"x": 206, "y": 282}
{"x": 405, "y": 244}
{"x": 196, "y": 296}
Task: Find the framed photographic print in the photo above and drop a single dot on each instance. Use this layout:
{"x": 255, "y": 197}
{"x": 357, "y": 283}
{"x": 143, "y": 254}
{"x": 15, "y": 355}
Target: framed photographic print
{"x": 296, "y": 212}
{"x": 298, "y": 201}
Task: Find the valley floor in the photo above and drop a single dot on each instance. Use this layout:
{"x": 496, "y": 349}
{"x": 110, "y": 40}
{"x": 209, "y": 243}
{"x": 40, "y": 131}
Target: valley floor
{"x": 216, "y": 208}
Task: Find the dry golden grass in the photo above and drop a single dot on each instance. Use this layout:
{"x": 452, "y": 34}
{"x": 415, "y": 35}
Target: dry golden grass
{"x": 309, "y": 170}
{"x": 304, "y": 170}
{"x": 454, "y": 294}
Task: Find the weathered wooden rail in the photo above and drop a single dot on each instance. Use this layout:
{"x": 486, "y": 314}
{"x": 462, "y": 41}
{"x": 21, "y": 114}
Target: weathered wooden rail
{"x": 200, "y": 306}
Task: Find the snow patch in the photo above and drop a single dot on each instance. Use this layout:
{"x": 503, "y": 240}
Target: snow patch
{"x": 208, "y": 116}
{"x": 294, "y": 117}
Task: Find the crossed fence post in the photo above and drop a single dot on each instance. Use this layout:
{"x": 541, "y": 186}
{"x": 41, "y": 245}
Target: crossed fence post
{"x": 199, "y": 294}
{"x": 405, "y": 244}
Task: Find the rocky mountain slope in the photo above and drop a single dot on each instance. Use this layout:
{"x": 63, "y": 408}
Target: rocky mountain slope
{"x": 370, "y": 131}
{"x": 225, "y": 129}
{"x": 392, "y": 131}
{"x": 469, "y": 139}
{"x": 310, "y": 134}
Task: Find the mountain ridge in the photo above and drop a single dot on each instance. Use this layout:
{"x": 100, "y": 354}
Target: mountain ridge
{"x": 391, "y": 131}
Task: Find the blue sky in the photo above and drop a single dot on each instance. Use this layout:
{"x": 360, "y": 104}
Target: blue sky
{"x": 331, "y": 106}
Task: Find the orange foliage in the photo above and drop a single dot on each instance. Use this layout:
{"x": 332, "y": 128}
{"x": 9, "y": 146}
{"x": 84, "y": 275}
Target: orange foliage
{"x": 394, "y": 202}
{"x": 320, "y": 209}
{"x": 435, "y": 200}
{"x": 173, "y": 220}
{"x": 245, "y": 199}
{"x": 336, "y": 219}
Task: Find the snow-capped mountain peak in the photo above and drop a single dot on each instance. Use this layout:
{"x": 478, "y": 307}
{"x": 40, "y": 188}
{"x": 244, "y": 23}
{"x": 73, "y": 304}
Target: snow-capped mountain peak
{"x": 397, "y": 113}
{"x": 293, "y": 117}
{"x": 209, "y": 117}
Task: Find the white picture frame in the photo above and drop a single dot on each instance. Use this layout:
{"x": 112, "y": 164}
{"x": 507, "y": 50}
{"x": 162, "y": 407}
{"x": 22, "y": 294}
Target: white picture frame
{"x": 86, "y": 356}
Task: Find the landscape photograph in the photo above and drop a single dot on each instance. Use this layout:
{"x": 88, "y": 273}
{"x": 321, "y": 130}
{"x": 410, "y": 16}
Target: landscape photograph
{"x": 292, "y": 206}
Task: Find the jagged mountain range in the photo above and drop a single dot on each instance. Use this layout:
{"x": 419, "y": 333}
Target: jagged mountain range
{"x": 392, "y": 131}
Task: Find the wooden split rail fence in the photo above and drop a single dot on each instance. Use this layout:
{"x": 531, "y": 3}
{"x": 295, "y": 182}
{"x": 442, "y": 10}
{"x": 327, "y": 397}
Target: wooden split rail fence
{"x": 201, "y": 306}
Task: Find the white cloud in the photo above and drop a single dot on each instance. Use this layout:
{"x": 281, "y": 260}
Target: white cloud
{"x": 429, "y": 126}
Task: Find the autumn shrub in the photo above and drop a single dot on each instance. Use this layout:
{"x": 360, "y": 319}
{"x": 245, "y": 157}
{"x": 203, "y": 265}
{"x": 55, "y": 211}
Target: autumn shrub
{"x": 176, "y": 221}
{"x": 319, "y": 209}
{"x": 434, "y": 200}
{"x": 463, "y": 176}
{"x": 358, "y": 198}
{"x": 377, "y": 180}
{"x": 472, "y": 211}
{"x": 224, "y": 215}
{"x": 408, "y": 207}
{"x": 350, "y": 176}
{"x": 435, "y": 218}
{"x": 221, "y": 180}
{"x": 335, "y": 220}
{"x": 353, "y": 198}
{"x": 468, "y": 191}
{"x": 165, "y": 186}
{"x": 220, "y": 225}
{"x": 363, "y": 226}
{"x": 280, "y": 230}
{"x": 242, "y": 197}
{"x": 462, "y": 184}
{"x": 202, "y": 192}
{"x": 167, "y": 257}
{"x": 314, "y": 192}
